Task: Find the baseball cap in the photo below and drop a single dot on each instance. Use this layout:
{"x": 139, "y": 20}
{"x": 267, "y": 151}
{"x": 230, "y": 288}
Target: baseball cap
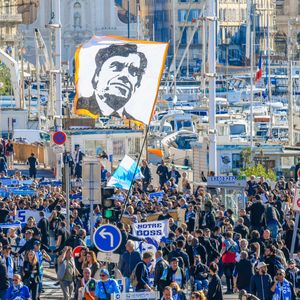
{"x": 261, "y": 265}
{"x": 104, "y": 271}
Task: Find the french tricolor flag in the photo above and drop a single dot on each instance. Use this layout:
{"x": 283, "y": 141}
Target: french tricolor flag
{"x": 259, "y": 68}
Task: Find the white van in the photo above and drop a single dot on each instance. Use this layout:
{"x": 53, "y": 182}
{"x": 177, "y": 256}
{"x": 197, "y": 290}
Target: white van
{"x": 31, "y": 136}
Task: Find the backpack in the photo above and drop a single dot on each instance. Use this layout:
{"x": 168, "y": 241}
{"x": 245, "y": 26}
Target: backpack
{"x": 133, "y": 278}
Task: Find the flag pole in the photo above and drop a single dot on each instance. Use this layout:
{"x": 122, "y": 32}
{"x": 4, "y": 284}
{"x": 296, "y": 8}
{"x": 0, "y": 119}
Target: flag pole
{"x": 136, "y": 167}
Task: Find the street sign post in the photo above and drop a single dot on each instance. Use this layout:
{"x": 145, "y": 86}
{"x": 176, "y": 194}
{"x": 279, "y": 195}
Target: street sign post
{"x": 107, "y": 238}
{"x": 91, "y": 181}
{"x": 91, "y": 186}
{"x": 59, "y": 138}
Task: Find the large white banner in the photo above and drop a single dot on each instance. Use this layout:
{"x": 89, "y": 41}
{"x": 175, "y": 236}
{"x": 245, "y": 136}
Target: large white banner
{"x": 154, "y": 230}
{"x": 119, "y": 77}
{"x": 137, "y": 296}
{"x": 23, "y": 215}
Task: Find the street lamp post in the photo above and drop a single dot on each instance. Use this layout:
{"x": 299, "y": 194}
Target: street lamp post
{"x": 128, "y": 15}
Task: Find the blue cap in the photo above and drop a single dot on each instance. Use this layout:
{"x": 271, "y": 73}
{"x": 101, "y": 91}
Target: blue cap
{"x": 104, "y": 271}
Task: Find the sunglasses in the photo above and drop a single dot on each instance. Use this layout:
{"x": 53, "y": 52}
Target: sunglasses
{"x": 103, "y": 275}
{"x": 279, "y": 274}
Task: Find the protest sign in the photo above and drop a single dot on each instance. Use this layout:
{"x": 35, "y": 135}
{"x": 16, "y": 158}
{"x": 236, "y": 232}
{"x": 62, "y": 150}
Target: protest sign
{"x": 23, "y": 215}
{"x": 155, "y": 230}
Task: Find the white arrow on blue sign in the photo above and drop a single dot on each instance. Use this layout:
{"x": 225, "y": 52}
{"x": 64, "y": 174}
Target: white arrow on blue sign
{"x": 107, "y": 238}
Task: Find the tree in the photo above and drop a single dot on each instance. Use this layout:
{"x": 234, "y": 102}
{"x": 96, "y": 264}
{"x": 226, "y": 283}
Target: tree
{"x": 258, "y": 170}
{"x": 5, "y": 83}
{"x": 246, "y": 156}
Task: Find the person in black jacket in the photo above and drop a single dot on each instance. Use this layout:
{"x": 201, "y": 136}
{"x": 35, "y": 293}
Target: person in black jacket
{"x": 207, "y": 218}
{"x": 43, "y": 226}
{"x": 4, "y": 283}
{"x": 176, "y": 274}
{"x": 33, "y": 163}
{"x": 146, "y": 173}
{"x": 160, "y": 273}
{"x": 257, "y": 213}
{"x": 31, "y": 274}
{"x": 241, "y": 228}
{"x": 142, "y": 273}
{"x": 178, "y": 252}
{"x": 162, "y": 171}
{"x": 242, "y": 273}
{"x": 215, "y": 285}
{"x": 200, "y": 273}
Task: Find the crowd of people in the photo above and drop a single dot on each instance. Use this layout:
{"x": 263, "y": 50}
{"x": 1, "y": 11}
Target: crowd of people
{"x": 210, "y": 249}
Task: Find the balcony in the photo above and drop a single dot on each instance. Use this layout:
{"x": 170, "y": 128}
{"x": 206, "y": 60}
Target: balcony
{"x": 17, "y": 18}
{"x": 7, "y": 38}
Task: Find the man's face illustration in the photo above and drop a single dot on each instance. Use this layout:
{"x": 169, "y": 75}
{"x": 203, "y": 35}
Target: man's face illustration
{"x": 117, "y": 80}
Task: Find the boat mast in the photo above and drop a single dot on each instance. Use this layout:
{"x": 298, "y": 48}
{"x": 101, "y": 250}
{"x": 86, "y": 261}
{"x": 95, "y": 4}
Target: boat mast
{"x": 174, "y": 49}
{"x": 269, "y": 70}
{"x": 252, "y": 50}
{"x": 212, "y": 19}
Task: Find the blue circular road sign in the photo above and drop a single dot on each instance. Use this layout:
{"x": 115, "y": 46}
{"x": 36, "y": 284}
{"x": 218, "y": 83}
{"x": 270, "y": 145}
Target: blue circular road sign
{"x": 107, "y": 238}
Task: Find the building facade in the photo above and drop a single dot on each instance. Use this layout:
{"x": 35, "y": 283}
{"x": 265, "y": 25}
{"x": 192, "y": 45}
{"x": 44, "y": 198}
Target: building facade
{"x": 9, "y": 20}
{"x": 81, "y": 19}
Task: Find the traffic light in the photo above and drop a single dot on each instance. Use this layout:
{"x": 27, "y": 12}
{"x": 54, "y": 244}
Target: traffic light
{"x": 108, "y": 205}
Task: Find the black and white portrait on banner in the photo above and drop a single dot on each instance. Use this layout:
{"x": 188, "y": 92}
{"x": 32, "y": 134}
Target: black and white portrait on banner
{"x": 116, "y": 77}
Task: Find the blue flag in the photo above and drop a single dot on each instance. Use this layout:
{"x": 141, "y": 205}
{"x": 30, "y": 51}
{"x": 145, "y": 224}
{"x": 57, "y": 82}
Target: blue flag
{"x": 125, "y": 173}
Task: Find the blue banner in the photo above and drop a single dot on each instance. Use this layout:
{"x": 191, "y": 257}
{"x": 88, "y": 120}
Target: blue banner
{"x": 10, "y": 225}
{"x": 158, "y": 195}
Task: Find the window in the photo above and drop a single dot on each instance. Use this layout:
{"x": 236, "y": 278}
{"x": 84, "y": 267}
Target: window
{"x": 237, "y": 162}
{"x": 182, "y": 15}
{"x": 94, "y": 147}
{"x": 77, "y": 15}
{"x": 196, "y": 38}
{"x": 118, "y": 147}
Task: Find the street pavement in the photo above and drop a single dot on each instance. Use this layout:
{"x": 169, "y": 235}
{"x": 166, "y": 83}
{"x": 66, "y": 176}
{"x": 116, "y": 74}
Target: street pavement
{"x": 55, "y": 293}
{"x": 51, "y": 291}
{"x": 41, "y": 172}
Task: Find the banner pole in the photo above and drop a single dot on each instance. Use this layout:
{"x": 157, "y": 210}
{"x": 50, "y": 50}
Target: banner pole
{"x": 136, "y": 167}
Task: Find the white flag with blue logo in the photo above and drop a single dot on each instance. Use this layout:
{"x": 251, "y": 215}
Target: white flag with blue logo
{"x": 125, "y": 173}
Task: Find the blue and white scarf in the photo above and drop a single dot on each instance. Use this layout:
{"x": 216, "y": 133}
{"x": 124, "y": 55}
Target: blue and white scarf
{"x": 283, "y": 289}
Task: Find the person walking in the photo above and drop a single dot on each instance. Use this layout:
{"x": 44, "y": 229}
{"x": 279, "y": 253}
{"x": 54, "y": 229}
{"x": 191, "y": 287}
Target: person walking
{"x": 106, "y": 287}
{"x": 160, "y": 273}
{"x": 282, "y": 288}
{"x": 66, "y": 271}
{"x": 4, "y": 282}
{"x": 142, "y": 273}
{"x": 214, "y": 291}
{"x": 242, "y": 273}
{"x": 128, "y": 262}
{"x": 33, "y": 163}
{"x": 147, "y": 175}
{"x": 78, "y": 161}
{"x": 10, "y": 154}
{"x": 88, "y": 286}
{"x": 260, "y": 284}
{"x": 31, "y": 274}
{"x": 3, "y": 166}
{"x": 163, "y": 172}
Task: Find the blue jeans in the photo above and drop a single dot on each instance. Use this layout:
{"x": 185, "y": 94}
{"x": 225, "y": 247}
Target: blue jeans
{"x": 201, "y": 284}
{"x": 2, "y": 294}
